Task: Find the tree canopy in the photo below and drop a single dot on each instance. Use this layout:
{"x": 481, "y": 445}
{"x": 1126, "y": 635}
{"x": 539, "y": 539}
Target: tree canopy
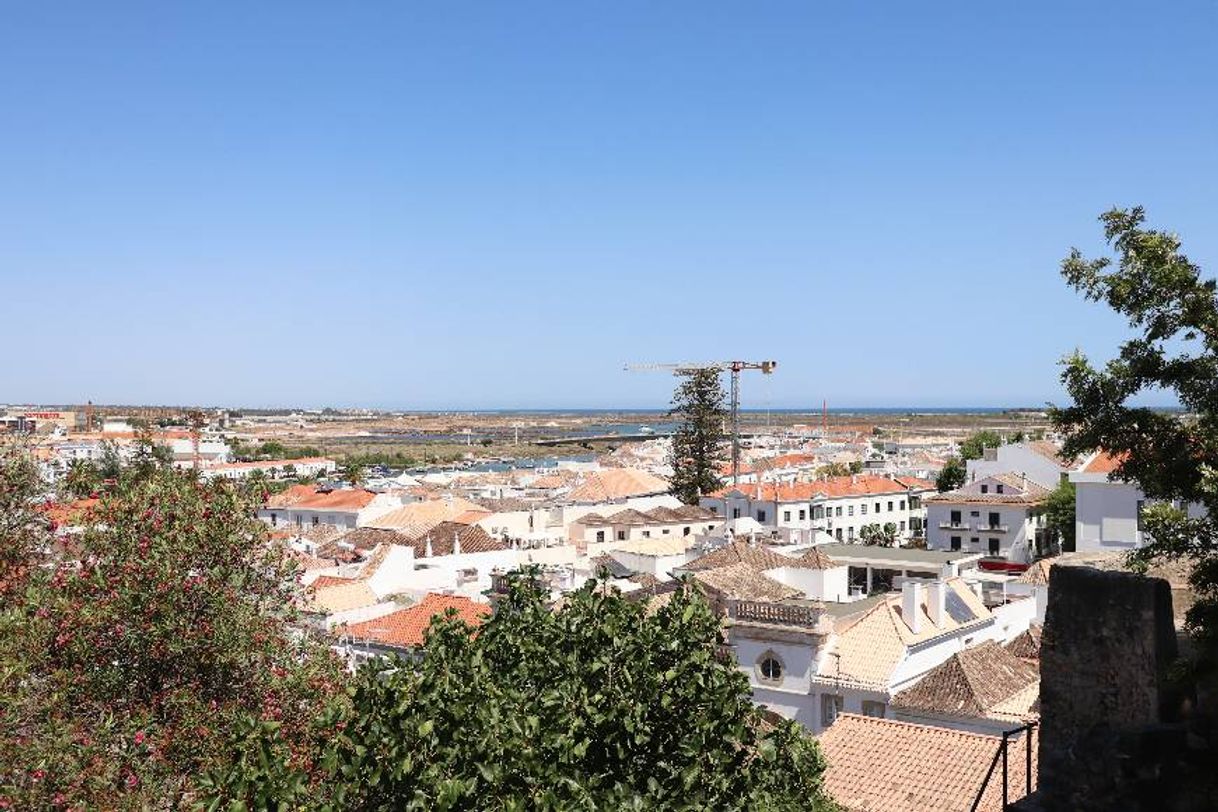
{"x": 1060, "y": 514}
{"x": 952, "y": 475}
{"x": 596, "y": 705}
{"x": 973, "y": 447}
{"x": 133, "y": 650}
{"x": 697, "y": 445}
{"x": 1172, "y": 456}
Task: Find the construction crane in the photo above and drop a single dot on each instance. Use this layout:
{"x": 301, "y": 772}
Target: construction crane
{"x": 733, "y": 367}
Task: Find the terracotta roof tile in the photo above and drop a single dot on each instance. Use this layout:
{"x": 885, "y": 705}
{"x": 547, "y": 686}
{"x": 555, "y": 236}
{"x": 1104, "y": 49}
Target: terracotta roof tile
{"x": 1026, "y": 645}
{"x": 736, "y": 552}
{"x": 472, "y": 537}
{"x": 1103, "y": 463}
{"x": 406, "y": 628}
{"x": 881, "y": 765}
{"x": 742, "y": 581}
{"x": 429, "y": 512}
{"x": 978, "y": 682}
{"x": 617, "y": 483}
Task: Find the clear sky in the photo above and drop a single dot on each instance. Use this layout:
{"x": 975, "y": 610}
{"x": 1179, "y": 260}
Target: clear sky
{"x": 464, "y": 205}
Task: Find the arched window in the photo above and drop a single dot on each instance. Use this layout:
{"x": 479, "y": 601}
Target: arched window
{"x": 769, "y": 668}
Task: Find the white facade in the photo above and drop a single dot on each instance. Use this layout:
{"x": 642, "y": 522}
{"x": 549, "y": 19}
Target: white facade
{"x": 1019, "y": 458}
{"x": 989, "y": 516}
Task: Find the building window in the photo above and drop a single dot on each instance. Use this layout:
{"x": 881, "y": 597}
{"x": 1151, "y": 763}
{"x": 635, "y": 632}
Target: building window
{"x": 316, "y": 519}
{"x": 902, "y": 525}
{"x": 997, "y": 489}
{"x": 902, "y": 504}
{"x": 877, "y": 507}
{"x": 646, "y": 534}
{"x": 985, "y": 488}
{"x": 955, "y": 542}
{"x": 802, "y": 514}
{"x": 974, "y": 540}
{"x": 995, "y": 520}
{"x": 955, "y": 518}
{"x": 863, "y": 509}
{"x": 974, "y": 513}
{"x": 714, "y": 509}
{"x": 818, "y": 512}
{"x": 735, "y": 513}
{"x": 850, "y": 510}
{"x": 664, "y": 532}
{"x": 850, "y": 533}
{"x": 993, "y": 546}
{"x": 786, "y": 516}
{"x": 830, "y": 707}
{"x": 838, "y": 534}
{"x": 873, "y": 708}
{"x": 685, "y": 532}
{"x": 769, "y": 668}
{"x": 839, "y": 510}
{"x": 761, "y": 516}
{"x": 890, "y": 507}
{"x": 600, "y": 535}
{"x": 621, "y": 535}
{"x": 274, "y": 519}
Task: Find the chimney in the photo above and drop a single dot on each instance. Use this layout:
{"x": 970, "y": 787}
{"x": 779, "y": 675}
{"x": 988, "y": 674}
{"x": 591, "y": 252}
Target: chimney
{"x": 936, "y": 603}
{"x": 911, "y": 604}
{"x": 456, "y": 543}
{"x": 427, "y": 549}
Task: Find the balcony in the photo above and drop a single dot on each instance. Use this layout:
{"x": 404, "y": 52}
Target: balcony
{"x": 992, "y": 528}
{"x": 953, "y": 525}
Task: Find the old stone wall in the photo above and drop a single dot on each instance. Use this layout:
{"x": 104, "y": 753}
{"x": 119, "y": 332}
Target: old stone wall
{"x": 1106, "y": 737}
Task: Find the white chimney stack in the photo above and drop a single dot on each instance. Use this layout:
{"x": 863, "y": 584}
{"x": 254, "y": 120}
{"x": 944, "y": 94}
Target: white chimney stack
{"x": 427, "y": 549}
{"x": 911, "y": 604}
{"x": 456, "y": 543}
{"x": 936, "y": 603}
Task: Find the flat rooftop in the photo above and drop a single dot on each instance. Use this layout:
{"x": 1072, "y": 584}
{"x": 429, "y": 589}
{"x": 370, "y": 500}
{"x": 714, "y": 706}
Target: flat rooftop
{"x": 891, "y": 556}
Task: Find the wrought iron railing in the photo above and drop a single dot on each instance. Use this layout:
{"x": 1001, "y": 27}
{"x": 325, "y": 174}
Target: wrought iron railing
{"x": 1002, "y": 754}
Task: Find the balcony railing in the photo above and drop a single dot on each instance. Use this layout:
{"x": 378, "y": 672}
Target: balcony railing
{"x": 992, "y": 528}
{"x": 953, "y": 525}
{"x": 778, "y": 614}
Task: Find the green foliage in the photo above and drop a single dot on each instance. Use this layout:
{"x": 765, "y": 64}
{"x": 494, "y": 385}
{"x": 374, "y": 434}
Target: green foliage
{"x": 879, "y": 535}
{"x": 597, "y": 705}
{"x": 952, "y": 476}
{"x": 1172, "y": 457}
{"x": 698, "y": 444}
{"x": 354, "y": 474}
{"x": 132, "y": 652}
{"x": 973, "y": 447}
{"x": 1060, "y": 514}
{"x": 81, "y": 480}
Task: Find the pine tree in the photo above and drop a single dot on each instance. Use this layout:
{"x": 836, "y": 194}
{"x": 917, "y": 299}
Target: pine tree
{"x": 697, "y": 445}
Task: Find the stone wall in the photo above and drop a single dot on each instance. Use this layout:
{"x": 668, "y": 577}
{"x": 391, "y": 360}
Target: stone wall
{"x": 1107, "y": 741}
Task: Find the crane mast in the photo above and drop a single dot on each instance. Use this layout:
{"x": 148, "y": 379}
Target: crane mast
{"x": 735, "y": 368}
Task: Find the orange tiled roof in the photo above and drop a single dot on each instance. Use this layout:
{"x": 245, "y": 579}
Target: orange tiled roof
{"x": 985, "y": 681}
{"x": 323, "y": 581}
{"x": 71, "y": 512}
{"x": 739, "y": 552}
{"x": 617, "y": 483}
{"x": 405, "y": 628}
{"x": 743, "y": 582}
{"x": 1103, "y": 463}
{"x": 831, "y": 488}
{"x": 426, "y": 514}
{"x": 472, "y": 537}
{"x": 881, "y": 765}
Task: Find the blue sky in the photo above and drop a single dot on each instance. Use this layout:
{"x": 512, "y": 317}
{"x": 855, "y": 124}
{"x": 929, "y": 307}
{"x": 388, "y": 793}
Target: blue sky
{"x": 463, "y": 205}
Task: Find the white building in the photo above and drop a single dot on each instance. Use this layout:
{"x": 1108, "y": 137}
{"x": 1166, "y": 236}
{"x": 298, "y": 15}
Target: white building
{"x": 1001, "y": 516}
{"x": 306, "y": 505}
{"x": 829, "y": 509}
{"x": 1038, "y": 460}
{"x": 812, "y": 661}
{"x": 274, "y": 469}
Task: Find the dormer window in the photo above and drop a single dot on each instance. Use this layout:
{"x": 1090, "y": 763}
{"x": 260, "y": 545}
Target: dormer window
{"x": 985, "y": 488}
{"x": 998, "y": 489}
{"x": 769, "y": 668}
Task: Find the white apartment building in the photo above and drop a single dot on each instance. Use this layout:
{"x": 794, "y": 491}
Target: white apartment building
{"x": 302, "y": 467}
{"x": 1000, "y": 516}
{"x": 1038, "y": 460}
{"x": 829, "y": 509}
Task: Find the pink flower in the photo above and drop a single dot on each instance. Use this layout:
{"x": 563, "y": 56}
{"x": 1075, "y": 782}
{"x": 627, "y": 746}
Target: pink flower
{"x": 139, "y": 737}
{"x": 132, "y": 781}
{"x": 38, "y": 775}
